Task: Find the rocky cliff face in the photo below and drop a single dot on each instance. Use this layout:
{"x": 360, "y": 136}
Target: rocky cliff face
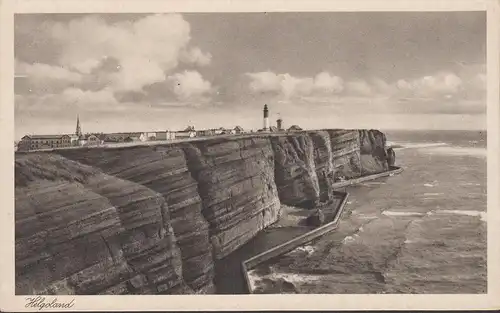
{"x": 155, "y": 219}
{"x": 80, "y": 231}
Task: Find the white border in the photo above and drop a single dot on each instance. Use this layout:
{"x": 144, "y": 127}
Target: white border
{"x": 9, "y": 302}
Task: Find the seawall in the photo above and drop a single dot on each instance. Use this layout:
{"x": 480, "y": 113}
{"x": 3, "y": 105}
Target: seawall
{"x": 155, "y": 219}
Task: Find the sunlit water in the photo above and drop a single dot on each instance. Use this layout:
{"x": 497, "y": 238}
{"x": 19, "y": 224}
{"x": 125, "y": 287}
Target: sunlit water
{"x": 423, "y": 231}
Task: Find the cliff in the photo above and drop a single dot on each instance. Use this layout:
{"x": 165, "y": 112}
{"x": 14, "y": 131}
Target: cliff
{"x": 155, "y": 219}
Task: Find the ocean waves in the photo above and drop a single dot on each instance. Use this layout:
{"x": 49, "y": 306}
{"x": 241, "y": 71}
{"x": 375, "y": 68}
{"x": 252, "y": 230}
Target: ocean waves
{"x": 440, "y": 148}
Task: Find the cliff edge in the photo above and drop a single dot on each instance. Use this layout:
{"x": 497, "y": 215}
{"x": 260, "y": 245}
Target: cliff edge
{"x": 155, "y": 219}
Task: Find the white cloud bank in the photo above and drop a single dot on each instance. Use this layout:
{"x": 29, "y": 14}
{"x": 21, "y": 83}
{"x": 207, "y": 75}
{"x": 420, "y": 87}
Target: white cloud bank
{"x": 290, "y": 86}
{"x": 437, "y": 86}
{"x": 146, "y": 51}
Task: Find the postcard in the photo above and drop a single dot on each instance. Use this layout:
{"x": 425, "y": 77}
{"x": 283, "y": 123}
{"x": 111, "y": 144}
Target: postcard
{"x": 271, "y": 155}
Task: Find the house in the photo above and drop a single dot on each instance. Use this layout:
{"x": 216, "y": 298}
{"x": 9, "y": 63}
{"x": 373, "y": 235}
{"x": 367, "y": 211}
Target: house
{"x": 184, "y": 134}
{"x": 36, "y": 142}
{"x": 205, "y": 132}
{"x": 228, "y": 132}
{"x": 91, "y": 140}
{"x": 219, "y": 131}
{"x": 162, "y": 135}
{"x": 238, "y": 130}
{"x": 148, "y": 136}
{"x": 115, "y": 137}
{"x": 189, "y": 132}
{"x": 74, "y": 140}
{"x": 135, "y": 137}
{"x": 294, "y": 128}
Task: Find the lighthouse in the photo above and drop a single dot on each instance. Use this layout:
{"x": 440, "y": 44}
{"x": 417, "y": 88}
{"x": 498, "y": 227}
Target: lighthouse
{"x": 266, "y": 117}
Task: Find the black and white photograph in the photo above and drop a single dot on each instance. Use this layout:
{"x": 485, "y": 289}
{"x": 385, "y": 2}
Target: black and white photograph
{"x": 238, "y": 153}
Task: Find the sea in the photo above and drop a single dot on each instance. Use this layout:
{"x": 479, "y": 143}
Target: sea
{"x": 422, "y": 231}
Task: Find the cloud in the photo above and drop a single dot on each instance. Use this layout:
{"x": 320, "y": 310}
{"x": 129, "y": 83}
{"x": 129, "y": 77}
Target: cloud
{"x": 104, "y": 97}
{"x": 189, "y": 85}
{"x": 70, "y": 99}
{"x": 196, "y": 56}
{"x": 145, "y": 50}
{"x": 324, "y": 87}
{"x": 328, "y": 83}
{"x": 428, "y": 86}
{"x": 100, "y": 64}
{"x": 39, "y": 71}
{"x": 289, "y": 86}
{"x": 359, "y": 87}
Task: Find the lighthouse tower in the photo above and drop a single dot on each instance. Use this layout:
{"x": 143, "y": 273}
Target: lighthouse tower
{"x": 266, "y": 117}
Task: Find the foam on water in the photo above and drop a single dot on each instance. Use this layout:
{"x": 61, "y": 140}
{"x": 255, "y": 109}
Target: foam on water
{"x": 416, "y": 145}
{"x": 253, "y": 278}
{"x": 275, "y": 275}
{"x": 441, "y": 148}
{"x": 308, "y": 249}
{"x": 457, "y": 151}
{"x": 398, "y": 213}
{"x": 348, "y": 239}
{"x": 433, "y": 193}
{"x": 480, "y": 214}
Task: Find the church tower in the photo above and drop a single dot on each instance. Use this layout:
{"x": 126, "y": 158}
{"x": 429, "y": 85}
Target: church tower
{"x": 78, "y": 128}
{"x": 266, "y": 117}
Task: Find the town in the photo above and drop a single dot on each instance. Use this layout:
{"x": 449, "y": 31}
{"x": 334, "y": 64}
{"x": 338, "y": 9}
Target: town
{"x": 79, "y": 139}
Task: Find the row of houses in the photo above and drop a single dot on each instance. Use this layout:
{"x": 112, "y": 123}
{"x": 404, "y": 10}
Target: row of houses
{"x": 40, "y": 142}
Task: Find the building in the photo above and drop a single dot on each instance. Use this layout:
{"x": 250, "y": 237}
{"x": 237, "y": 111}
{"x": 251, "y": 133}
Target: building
{"x": 150, "y": 136}
{"x": 78, "y": 131}
{"x": 74, "y": 140}
{"x": 294, "y": 128}
{"x": 165, "y": 135}
{"x": 37, "y": 142}
{"x": 266, "y": 118}
{"x": 131, "y": 137}
{"x": 115, "y": 137}
{"x": 189, "y": 132}
{"x": 205, "y": 133}
{"x": 279, "y": 124}
{"x": 239, "y": 130}
{"x": 92, "y": 140}
{"x": 123, "y": 137}
{"x": 219, "y": 131}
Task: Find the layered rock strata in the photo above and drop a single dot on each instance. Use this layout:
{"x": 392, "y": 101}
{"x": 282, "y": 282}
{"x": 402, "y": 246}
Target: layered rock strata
{"x": 155, "y": 219}
{"x": 79, "y": 231}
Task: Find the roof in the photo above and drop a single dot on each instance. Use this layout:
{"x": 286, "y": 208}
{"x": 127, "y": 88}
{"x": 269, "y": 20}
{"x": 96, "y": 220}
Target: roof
{"x": 44, "y": 136}
{"x": 135, "y": 134}
{"x": 238, "y": 128}
{"x": 294, "y": 127}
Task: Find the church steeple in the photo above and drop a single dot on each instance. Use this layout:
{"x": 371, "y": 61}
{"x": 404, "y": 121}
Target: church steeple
{"x": 78, "y": 128}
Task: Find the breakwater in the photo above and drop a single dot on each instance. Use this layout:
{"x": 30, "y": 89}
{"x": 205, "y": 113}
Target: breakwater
{"x": 156, "y": 219}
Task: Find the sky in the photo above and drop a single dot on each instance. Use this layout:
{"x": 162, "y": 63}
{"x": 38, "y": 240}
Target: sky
{"x": 145, "y": 72}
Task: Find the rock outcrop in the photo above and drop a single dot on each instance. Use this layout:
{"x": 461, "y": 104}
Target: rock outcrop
{"x": 295, "y": 173}
{"x": 164, "y": 170}
{"x": 79, "y": 231}
{"x": 236, "y": 185}
{"x": 373, "y": 155}
{"x": 323, "y": 163}
{"x": 155, "y": 219}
